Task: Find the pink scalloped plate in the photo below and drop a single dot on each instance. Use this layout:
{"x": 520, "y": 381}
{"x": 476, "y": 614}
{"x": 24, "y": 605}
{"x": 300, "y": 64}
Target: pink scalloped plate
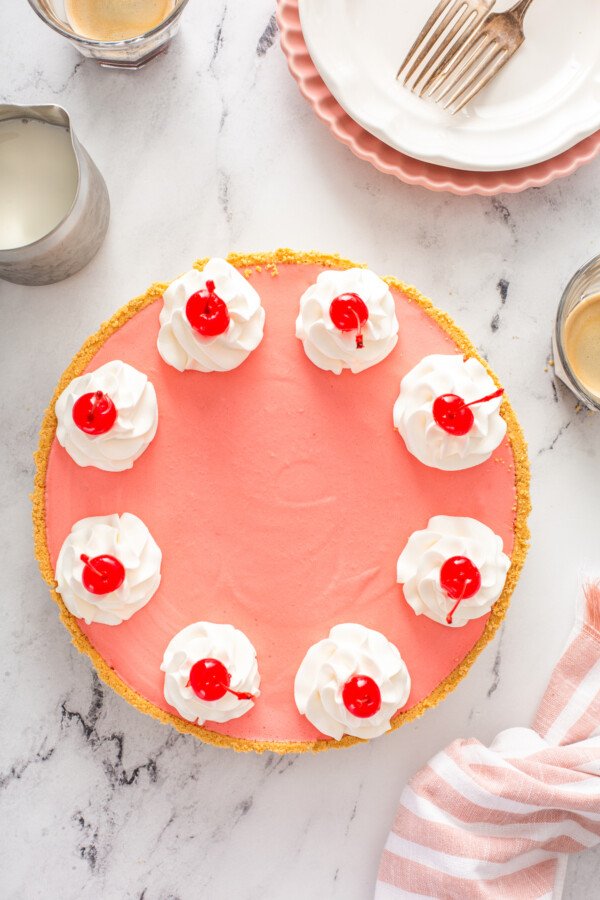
{"x": 386, "y": 159}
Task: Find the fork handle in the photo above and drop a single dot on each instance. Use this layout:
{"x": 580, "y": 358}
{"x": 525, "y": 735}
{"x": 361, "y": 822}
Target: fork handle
{"x": 519, "y": 10}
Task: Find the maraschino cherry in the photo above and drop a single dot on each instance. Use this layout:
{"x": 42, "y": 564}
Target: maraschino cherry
{"x": 361, "y": 696}
{"x": 102, "y": 574}
{"x": 94, "y": 413}
{"x": 454, "y": 415}
{"x": 460, "y": 579}
{"x": 206, "y": 312}
{"x": 349, "y": 312}
{"x": 209, "y": 680}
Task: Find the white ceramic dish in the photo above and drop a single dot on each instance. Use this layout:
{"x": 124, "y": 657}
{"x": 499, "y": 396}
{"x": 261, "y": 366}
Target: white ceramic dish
{"x": 546, "y": 99}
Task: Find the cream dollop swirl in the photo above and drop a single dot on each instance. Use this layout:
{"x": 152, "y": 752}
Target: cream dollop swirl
{"x": 135, "y": 426}
{"x": 184, "y": 348}
{"x": 205, "y": 640}
{"x": 420, "y": 563}
{"x": 413, "y": 412}
{"x": 333, "y": 350}
{"x": 350, "y": 650}
{"x": 128, "y": 540}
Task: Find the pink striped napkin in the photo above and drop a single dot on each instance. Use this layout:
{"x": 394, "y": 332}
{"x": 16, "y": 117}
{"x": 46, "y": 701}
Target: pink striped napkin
{"x": 499, "y": 821}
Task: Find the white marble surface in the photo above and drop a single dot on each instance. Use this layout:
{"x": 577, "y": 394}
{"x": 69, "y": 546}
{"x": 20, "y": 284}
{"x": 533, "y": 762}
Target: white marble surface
{"x": 212, "y": 148}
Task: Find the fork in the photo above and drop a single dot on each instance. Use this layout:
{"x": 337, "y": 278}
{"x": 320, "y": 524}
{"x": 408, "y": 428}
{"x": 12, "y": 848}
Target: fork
{"x": 479, "y": 58}
{"x": 451, "y": 24}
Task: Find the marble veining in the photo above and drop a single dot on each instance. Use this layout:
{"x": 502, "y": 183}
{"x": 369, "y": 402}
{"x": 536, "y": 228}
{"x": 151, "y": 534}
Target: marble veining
{"x": 212, "y": 148}
{"x": 268, "y": 37}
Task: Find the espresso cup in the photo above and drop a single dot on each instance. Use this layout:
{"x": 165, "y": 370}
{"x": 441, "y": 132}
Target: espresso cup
{"x": 127, "y": 53}
{"x": 576, "y": 338}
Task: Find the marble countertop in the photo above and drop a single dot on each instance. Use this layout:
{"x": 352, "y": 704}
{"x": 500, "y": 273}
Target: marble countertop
{"x": 212, "y": 148}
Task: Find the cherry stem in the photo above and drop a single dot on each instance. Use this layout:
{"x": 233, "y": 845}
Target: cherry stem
{"x": 450, "y": 615}
{"x": 493, "y": 396}
{"x": 210, "y": 288}
{"x": 85, "y": 559}
{"x": 241, "y": 695}
{"x": 98, "y": 395}
{"x": 359, "y": 336}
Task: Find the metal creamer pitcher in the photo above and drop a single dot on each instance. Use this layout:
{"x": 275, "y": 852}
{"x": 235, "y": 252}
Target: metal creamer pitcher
{"x": 71, "y": 243}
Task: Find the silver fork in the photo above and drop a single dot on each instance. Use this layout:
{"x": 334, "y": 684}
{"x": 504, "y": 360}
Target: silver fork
{"x": 478, "y": 60}
{"x": 451, "y": 24}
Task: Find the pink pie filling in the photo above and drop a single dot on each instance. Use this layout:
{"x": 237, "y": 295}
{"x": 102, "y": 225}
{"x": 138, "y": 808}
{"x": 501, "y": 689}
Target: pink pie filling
{"x": 281, "y": 497}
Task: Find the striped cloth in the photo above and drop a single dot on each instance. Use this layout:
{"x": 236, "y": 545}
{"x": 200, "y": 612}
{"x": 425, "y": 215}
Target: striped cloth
{"x": 499, "y": 821}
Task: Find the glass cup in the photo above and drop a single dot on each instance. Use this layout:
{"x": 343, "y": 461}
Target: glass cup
{"x": 131, "y": 53}
{"x": 583, "y": 284}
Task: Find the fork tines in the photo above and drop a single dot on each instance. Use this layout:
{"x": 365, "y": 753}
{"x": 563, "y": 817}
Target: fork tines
{"x": 452, "y": 23}
{"x": 474, "y": 66}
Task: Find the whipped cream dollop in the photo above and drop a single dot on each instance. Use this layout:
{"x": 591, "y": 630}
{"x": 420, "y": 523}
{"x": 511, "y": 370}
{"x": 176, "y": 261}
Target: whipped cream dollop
{"x": 413, "y": 412}
{"x": 420, "y": 563}
{"x": 334, "y": 350}
{"x": 205, "y": 640}
{"x": 137, "y": 417}
{"x": 128, "y": 540}
{"x": 182, "y": 347}
{"x": 348, "y": 651}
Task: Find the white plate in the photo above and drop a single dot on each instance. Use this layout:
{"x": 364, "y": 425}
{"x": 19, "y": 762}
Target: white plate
{"x": 546, "y": 99}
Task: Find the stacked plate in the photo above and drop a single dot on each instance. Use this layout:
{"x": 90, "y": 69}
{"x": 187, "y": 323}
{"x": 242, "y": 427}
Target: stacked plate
{"x": 539, "y": 119}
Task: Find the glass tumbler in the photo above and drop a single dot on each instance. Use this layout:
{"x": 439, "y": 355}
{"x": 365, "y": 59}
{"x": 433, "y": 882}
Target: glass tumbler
{"x": 130, "y": 53}
{"x": 583, "y": 284}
